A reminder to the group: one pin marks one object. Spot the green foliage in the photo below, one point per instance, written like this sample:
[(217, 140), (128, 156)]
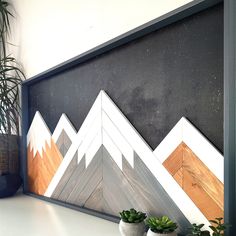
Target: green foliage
[(197, 230), (132, 216), (11, 77), (219, 227), (4, 25), (162, 225)]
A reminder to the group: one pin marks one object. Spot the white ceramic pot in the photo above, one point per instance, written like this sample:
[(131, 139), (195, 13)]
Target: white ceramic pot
[(131, 229), (150, 233)]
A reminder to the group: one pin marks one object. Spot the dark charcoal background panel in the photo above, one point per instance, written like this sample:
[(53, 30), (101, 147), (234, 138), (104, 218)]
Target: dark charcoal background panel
[(155, 80)]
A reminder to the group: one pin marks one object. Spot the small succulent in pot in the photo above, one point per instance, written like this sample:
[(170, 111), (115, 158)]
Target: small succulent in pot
[(161, 226), (132, 223), (196, 230), (132, 216), (218, 227)]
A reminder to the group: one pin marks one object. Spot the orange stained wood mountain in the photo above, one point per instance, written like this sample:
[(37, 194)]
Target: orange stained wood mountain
[(42, 169), (201, 185)]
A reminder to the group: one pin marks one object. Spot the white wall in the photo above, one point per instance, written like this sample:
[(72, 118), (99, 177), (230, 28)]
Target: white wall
[(48, 32)]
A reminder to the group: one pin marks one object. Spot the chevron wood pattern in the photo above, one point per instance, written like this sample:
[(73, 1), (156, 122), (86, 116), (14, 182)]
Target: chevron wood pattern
[(185, 132), (197, 180), (104, 187), (64, 180), (161, 203), (41, 169), (72, 181), (107, 166), (64, 134), (117, 192), (63, 143), (95, 200)]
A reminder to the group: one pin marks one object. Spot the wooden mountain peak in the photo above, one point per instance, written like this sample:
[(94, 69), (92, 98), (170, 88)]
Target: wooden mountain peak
[(200, 184)]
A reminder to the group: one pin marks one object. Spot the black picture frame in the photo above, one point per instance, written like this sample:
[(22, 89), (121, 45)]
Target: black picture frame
[(229, 115), (229, 94)]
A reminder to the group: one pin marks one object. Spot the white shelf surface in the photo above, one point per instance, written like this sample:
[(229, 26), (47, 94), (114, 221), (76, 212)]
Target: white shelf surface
[(22, 215)]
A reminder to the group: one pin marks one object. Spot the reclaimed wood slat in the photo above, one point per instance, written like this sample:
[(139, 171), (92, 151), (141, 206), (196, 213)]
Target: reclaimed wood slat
[(200, 197), (161, 201), (41, 169), (79, 180), (72, 180), (95, 200), (91, 185), (64, 180), (201, 185), (175, 161), (206, 179), (63, 143), (117, 191)]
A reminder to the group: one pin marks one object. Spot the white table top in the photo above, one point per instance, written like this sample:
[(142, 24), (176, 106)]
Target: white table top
[(22, 215)]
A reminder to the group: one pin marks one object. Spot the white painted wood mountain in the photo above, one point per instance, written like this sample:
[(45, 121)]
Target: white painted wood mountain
[(107, 166)]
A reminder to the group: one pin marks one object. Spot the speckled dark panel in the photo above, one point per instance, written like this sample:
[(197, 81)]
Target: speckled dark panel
[(173, 72)]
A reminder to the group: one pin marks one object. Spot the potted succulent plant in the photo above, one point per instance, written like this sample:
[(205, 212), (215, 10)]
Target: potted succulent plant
[(132, 223), (218, 227), (161, 226), (196, 230), (10, 79)]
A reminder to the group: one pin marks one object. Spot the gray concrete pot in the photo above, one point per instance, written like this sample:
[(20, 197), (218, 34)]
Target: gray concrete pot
[(150, 233), (131, 229)]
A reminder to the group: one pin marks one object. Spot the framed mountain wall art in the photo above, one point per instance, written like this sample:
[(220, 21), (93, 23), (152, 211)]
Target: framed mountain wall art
[(136, 122)]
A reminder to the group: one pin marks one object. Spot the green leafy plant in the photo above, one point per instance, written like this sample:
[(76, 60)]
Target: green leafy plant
[(11, 77), (5, 15), (162, 225), (219, 227), (10, 80), (132, 216), (197, 230)]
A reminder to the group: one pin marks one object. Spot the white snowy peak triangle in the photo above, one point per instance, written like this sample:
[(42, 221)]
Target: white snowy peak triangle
[(64, 124), (38, 135)]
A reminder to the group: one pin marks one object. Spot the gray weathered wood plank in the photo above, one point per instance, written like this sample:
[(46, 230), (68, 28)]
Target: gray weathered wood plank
[(91, 185), (162, 203), (73, 178), (78, 182), (95, 200), (103, 186), (117, 191), (64, 180), (63, 143)]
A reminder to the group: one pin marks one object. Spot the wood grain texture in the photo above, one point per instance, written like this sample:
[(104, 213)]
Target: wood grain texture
[(90, 184), (106, 125), (72, 180), (79, 181), (200, 197), (63, 143), (201, 185), (161, 203), (178, 176), (117, 191), (41, 169), (175, 161), (104, 187), (95, 200), (65, 178)]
